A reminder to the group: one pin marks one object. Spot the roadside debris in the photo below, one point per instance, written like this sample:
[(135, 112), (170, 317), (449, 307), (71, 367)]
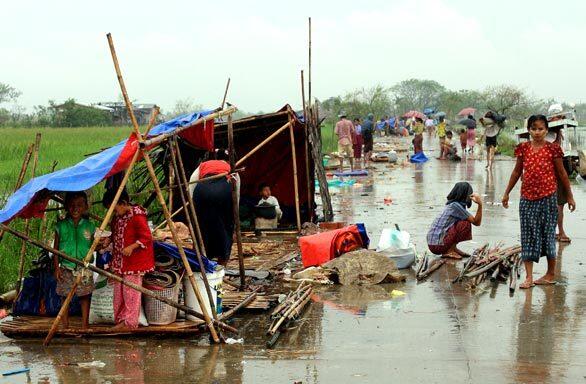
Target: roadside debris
[(496, 264), (285, 314), (427, 266)]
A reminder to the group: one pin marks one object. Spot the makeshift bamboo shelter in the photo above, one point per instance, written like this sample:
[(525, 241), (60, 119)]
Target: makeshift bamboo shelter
[(118, 162)]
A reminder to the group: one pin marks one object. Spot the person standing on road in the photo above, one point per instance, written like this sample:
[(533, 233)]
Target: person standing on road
[(471, 134), (345, 131), (441, 134), (491, 131), (367, 137), (418, 129), (454, 224), (561, 236), (357, 142), (540, 165)]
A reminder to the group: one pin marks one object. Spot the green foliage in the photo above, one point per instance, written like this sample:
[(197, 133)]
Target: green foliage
[(416, 94), (71, 114), (8, 93)]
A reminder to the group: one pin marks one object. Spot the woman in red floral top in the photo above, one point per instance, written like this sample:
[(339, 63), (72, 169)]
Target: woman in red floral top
[(539, 163), (132, 256)]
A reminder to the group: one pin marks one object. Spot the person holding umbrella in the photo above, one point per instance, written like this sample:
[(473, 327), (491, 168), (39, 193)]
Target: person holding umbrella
[(470, 124)]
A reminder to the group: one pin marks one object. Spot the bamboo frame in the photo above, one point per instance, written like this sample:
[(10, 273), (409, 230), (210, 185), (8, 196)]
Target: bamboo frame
[(192, 232), (36, 148), (307, 167), (160, 197), (114, 277), (236, 205), (184, 182), (294, 160)]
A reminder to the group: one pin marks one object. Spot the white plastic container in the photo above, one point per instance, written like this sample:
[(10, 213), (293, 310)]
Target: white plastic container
[(403, 258), (215, 280)]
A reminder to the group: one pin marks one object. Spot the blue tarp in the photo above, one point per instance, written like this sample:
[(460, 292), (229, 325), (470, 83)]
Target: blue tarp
[(173, 251), (86, 173), (418, 158)]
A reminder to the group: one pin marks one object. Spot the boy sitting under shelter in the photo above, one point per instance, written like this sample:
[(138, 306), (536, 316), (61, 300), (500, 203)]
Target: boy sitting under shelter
[(268, 211)]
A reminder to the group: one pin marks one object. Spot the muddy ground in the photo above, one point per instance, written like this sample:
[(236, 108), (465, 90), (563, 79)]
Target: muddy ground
[(436, 333)]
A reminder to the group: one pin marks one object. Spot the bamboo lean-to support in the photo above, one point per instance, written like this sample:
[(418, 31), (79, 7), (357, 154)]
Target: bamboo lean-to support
[(307, 167), (115, 277), (236, 205), (294, 160), (191, 226), (191, 205), (27, 224), (143, 145)]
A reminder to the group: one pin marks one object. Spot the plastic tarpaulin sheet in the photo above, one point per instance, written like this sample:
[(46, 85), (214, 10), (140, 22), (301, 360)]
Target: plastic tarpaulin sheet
[(173, 251), (29, 201)]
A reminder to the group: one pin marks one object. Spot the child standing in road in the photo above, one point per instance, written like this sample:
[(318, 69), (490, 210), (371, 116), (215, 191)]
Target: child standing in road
[(74, 236), (463, 140), (540, 165)]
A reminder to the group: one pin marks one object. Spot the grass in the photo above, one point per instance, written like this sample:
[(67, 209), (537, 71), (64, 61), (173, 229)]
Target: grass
[(328, 138), (67, 146)]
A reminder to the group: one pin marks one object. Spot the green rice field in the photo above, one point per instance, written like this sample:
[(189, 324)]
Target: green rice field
[(66, 146)]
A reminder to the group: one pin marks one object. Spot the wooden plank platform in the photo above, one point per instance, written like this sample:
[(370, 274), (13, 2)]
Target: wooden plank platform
[(36, 326)]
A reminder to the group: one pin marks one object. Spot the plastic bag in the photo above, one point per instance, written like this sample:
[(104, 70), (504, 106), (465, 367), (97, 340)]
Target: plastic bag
[(393, 239)]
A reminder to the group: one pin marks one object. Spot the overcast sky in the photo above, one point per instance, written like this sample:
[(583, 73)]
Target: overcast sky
[(171, 50)]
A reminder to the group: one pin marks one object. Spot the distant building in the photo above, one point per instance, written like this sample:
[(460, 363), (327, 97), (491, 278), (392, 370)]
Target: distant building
[(142, 112)]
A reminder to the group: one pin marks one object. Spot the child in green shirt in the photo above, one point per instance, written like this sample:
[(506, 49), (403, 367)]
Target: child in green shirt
[(74, 236)]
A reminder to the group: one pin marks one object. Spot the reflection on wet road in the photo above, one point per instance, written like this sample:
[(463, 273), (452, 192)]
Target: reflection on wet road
[(436, 333)]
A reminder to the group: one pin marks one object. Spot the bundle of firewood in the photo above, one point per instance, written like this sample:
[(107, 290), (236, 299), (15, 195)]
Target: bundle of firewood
[(426, 266), (288, 311), (496, 264)]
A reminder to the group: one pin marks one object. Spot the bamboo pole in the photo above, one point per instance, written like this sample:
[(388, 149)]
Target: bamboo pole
[(114, 277), (183, 181), (122, 86), (262, 144), (191, 226), (212, 116), (172, 216), (236, 205), (186, 265), (152, 121), (88, 256), (23, 169), (307, 168), (36, 147), (295, 183), (309, 59), (225, 94)]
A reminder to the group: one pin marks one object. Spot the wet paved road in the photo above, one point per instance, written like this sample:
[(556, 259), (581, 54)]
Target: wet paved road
[(437, 333)]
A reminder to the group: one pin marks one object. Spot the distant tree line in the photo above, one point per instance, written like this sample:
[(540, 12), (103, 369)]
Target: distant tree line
[(417, 94)]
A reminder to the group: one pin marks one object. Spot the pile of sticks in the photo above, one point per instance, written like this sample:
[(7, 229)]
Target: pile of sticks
[(427, 266), (496, 264), (288, 311)]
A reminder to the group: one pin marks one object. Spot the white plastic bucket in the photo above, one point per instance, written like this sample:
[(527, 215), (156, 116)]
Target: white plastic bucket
[(215, 280)]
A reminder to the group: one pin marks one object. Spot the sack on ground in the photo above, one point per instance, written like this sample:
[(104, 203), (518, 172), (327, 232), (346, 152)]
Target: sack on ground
[(102, 305)]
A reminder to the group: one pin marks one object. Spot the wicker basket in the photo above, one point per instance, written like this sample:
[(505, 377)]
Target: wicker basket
[(157, 312)]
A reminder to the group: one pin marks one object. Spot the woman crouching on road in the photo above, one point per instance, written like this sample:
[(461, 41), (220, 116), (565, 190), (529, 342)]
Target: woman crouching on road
[(454, 224)]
